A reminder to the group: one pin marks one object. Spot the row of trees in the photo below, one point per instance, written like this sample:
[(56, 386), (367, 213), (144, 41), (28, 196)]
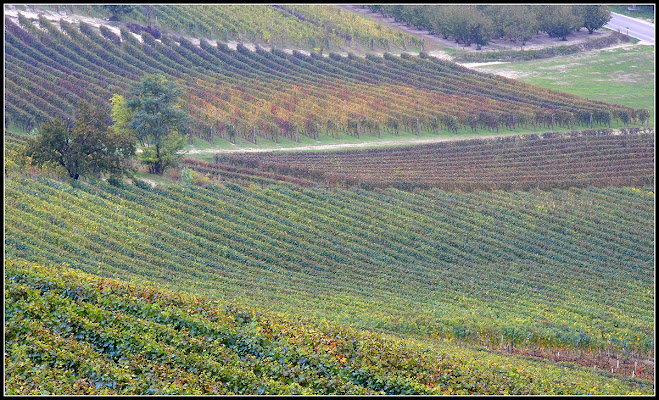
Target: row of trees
[(103, 138), (478, 24)]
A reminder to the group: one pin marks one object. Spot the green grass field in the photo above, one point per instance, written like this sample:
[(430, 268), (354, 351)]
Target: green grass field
[(619, 75)]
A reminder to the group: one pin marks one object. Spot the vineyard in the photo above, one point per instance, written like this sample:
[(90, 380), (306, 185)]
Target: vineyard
[(535, 269), (72, 333), (521, 262), (272, 95), (588, 158), (307, 26)]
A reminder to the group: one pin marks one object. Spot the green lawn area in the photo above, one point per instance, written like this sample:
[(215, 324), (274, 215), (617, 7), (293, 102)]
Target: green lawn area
[(623, 75)]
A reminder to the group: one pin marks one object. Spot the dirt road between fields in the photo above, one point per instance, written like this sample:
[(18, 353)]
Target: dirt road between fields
[(343, 146), (346, 146)]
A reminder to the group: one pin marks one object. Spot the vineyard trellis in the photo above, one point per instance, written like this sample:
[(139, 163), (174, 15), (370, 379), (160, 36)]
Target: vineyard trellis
[(270, 94)]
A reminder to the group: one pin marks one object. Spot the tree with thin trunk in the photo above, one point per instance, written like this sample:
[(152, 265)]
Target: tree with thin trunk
[(159, 122)]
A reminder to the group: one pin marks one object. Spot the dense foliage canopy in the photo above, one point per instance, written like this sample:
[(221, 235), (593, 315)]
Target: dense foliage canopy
[(88, 147), (478, 24)]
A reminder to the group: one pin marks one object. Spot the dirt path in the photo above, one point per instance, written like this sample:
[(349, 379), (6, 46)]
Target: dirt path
[(343, 146)]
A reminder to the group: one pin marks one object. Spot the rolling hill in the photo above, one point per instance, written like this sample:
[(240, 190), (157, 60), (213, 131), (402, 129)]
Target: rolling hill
[(511, 265)]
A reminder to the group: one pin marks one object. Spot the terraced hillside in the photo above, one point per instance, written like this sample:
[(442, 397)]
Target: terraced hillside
[(273, 95), (550, 160)]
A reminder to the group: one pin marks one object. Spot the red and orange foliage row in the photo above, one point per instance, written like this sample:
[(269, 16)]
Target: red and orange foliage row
[(591, 158), (272, 94)]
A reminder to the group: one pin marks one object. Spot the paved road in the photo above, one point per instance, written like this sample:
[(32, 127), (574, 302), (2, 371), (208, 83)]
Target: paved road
[(637, 28)]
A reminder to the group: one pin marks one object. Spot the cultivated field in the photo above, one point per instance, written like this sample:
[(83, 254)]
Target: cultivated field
[(551, 160), (431, 263), (164, 342), (513, 253), (268, 95)]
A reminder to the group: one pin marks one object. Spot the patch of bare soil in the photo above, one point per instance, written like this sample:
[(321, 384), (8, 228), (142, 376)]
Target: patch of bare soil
[(505, 73), (618, 364)]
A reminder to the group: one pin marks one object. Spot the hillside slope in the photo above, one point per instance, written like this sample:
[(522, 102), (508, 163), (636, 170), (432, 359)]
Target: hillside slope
[(272, 95), (546, 161), (71, 333), (539, 268)]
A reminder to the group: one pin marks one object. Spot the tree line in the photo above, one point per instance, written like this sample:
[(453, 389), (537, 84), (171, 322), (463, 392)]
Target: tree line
[(478, 24), (104, 136)]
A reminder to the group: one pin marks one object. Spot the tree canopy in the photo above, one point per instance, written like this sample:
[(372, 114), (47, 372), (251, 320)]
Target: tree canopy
[(89, 147), (117, 9), (158, 121), (593, 16)]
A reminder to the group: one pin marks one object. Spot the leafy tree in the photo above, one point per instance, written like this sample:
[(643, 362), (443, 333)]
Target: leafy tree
[(88, 147), (121, 116), (497, 15), (480, 29), (458, 22), (593, 16), (440, 20), (158, 121), (519, 23), (558, 20)]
